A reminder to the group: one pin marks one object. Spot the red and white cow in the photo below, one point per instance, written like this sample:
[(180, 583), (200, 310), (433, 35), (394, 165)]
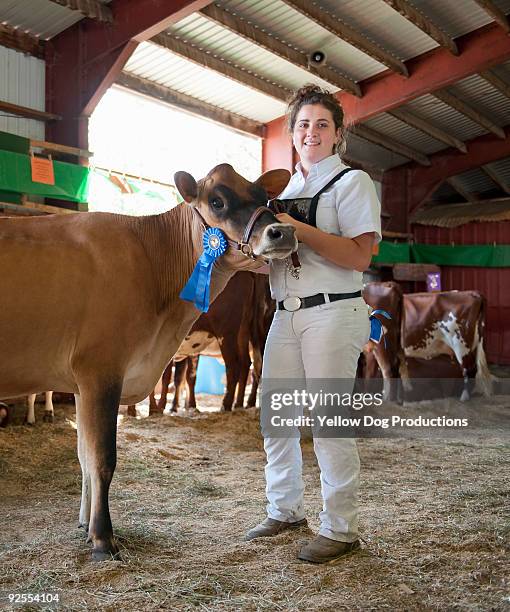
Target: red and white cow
[(447, 323)]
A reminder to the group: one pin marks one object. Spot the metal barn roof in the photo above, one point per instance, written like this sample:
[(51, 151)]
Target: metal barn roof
[(244, 57)]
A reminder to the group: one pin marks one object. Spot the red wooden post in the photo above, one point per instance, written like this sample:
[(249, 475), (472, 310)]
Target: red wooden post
[(84, 61)]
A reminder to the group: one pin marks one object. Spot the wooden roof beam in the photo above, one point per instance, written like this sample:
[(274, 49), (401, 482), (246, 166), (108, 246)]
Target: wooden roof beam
[(457, 185), (497, 14), (190, 104), (461, 107), (347, 33), (424, 24), (20, 41), (221, 66), (273, 45), (496, 81), (481, 50), (367, 133), (29, 113), (496, 179), (481, 150), (375, 173), (88, 8), (427, 128)]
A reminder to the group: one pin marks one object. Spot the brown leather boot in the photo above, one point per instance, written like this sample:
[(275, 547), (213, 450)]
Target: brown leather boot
[(325, 550), (271, 527)]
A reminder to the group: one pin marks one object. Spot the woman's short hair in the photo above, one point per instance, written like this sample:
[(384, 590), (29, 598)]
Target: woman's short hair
[(313, 94)]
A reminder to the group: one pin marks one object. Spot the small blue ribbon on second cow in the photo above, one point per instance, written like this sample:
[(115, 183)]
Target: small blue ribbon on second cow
[(376, 327), (198, 286)]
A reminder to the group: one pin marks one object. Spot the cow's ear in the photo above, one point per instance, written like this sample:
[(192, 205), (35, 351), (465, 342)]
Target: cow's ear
[(274, 182), (186, 185)]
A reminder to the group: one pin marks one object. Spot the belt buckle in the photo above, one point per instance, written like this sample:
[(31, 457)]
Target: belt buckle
[(292, 304)]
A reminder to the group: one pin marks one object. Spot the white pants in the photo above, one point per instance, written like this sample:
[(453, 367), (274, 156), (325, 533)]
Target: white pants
[(320, 342)]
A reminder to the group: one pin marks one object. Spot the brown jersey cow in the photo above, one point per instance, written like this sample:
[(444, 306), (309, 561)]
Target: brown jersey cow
[(104, 316)]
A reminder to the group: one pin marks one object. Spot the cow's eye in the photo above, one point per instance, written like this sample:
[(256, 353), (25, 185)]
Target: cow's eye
[(217, 203)]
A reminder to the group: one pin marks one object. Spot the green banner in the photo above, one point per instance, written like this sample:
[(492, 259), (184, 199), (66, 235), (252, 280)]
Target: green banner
[(476, 255), (16, 144), (393, 252), (71, 181), (470, 255)]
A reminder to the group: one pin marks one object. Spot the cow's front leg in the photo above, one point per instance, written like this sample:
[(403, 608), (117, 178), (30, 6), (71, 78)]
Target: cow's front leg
[(30, 415), (232, 369), (48, 407), (468, 365), (165, 383), (84, 518), (191, 379), (255, 377), (181, 367), (244, 370), (385, 367), (97, 422), (4, 414)]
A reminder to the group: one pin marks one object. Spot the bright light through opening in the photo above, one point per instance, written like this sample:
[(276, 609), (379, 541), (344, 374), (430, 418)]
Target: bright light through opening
[(138, 136)]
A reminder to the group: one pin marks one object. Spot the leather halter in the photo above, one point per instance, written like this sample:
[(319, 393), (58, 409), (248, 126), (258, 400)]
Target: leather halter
[(244, 244)]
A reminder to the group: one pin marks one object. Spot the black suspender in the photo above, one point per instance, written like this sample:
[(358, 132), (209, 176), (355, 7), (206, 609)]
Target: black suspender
[(312, 214)]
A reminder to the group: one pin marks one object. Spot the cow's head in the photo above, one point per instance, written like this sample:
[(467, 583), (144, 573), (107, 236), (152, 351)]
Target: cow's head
[(226, 200)]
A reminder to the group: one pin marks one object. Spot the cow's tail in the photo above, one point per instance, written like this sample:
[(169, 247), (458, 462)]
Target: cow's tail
[(483, 377)]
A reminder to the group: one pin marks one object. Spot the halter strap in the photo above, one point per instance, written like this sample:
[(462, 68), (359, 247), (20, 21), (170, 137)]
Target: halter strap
[(243, 245)]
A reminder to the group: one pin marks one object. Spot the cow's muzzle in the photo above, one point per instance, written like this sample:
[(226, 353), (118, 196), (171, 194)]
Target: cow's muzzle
[(278, 241)]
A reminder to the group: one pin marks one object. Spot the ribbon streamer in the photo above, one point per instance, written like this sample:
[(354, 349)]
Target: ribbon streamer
[(197, 288), (376, 327)]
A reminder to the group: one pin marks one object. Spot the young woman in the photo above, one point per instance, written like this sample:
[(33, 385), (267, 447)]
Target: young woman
[(321, 322)]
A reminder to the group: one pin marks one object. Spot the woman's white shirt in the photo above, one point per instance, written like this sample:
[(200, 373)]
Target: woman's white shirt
[(349, 208)]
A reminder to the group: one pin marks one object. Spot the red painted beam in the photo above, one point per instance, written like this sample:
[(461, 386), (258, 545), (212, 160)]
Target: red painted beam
[(482, 150), (407, 187), (84, 61), (479, 50), (277, 149), (394, 199)]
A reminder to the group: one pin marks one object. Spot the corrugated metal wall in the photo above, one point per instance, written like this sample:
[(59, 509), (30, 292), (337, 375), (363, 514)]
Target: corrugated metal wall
[(22, 82), (493, 283)]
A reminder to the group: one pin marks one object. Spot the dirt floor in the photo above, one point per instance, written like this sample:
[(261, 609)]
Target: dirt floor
[(434, 521)]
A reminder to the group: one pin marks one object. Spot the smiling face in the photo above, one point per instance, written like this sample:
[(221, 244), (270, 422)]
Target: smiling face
[(314, 134)]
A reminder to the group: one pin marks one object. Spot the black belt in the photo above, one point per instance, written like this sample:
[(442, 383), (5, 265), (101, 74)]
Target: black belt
[(294, 303)]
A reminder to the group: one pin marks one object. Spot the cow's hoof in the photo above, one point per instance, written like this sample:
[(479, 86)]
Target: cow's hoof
[(84, 526), (155, 413), (100, 555), (4, 416), (28, 424), (48, 417), (105, 550)]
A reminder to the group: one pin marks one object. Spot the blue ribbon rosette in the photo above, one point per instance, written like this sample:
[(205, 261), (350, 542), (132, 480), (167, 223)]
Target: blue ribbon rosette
[(376, 327), (198, 285)]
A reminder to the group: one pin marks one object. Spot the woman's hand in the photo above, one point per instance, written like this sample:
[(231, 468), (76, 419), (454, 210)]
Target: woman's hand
[(353, 253), (285, 218)]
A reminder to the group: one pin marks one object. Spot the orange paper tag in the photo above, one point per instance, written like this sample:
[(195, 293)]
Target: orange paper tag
[(42, 170), (375, 249)]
